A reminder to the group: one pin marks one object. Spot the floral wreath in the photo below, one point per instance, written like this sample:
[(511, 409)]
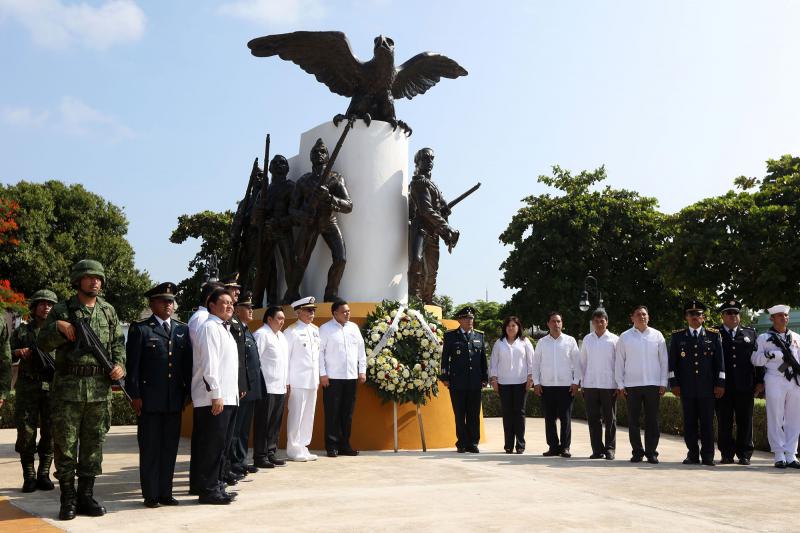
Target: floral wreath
[(404, 352)]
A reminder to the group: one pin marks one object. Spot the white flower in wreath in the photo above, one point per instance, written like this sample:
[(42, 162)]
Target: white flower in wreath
[(381, 374), (393, 313), (410, 386), (390, 342), (424, 343), (406, 373), (390, 386), (393, 361), (387, 366), (418, 383), (414, 323), (382, 327), (381, 359), (424, 375), (371, 361), (375, 337), (417, 367), (419, 333), (386, 351)]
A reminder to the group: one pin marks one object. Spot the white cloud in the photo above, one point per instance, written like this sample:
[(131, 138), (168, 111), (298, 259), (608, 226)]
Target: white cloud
[(23, 116), (274, 12), (57, 24), (72, 116)]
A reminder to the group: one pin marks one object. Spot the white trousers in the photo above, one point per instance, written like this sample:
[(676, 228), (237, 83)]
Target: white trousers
[(783, 416), (300, 425)]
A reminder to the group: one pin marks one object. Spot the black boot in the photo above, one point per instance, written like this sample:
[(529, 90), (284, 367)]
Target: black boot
[(68, 499), (43, 481), (87, 505), (28, 474)]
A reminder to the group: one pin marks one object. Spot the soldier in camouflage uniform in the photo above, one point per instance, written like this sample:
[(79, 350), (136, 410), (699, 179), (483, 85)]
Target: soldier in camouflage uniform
[(81, 393), (5, 360), (33, 396)]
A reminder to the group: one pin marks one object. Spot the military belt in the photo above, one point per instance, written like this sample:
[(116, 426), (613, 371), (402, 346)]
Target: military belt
[(84, 370)]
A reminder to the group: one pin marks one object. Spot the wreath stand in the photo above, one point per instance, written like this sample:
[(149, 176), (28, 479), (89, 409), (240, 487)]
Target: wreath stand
[(419, 421)]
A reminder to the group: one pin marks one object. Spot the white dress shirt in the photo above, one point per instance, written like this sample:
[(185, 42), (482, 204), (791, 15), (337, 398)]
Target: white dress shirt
[(556, 362), (341, 354), (303, 340), (195, 321), (642, 359), (273, 353), (597, 361), (161, 322), (511, 363), (215, 368)]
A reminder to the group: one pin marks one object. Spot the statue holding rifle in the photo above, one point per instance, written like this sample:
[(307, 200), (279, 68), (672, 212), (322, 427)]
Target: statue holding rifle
[(428, 214)]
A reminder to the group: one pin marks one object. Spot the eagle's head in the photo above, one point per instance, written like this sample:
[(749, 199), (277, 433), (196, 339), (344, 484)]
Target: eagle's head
[(384, 46)]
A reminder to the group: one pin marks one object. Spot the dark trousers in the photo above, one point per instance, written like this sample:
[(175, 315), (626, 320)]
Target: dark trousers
[(241, 433), (267, 425), (601, 409), (467, 410), (557, 404), (648, 396), (512, 404), (735, 405), (698, 412), (214, 435), (339, 398), (159, 435)]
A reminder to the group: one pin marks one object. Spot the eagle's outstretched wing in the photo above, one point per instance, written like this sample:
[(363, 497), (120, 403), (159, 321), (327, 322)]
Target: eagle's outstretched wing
[(325, 54), (422, 72)]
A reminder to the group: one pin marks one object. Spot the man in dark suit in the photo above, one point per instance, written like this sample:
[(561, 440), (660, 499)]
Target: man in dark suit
[(159, 373), (744, 382), (697, 377), (465, 372), (243, 311)]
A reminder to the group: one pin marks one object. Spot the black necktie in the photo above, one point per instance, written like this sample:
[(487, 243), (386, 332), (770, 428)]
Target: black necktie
[(694, 334), (227, 325), (166, 327)]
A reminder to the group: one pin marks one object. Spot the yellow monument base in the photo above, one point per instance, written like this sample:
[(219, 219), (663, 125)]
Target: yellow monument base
[(373, 427)]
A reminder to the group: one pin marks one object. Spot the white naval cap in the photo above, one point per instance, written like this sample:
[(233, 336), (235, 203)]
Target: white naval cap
[(779, 309), (304, 303)]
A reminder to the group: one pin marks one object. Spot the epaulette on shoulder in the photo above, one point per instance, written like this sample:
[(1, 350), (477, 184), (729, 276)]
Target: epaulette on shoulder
[(678, 330), (478, 331), (712, 330), (178, 321), (138, 322)]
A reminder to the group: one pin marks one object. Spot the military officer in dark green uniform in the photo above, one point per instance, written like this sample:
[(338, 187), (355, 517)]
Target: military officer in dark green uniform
[(159, 380), (465, 372), (81, 392), (33, 396), (697, 377)]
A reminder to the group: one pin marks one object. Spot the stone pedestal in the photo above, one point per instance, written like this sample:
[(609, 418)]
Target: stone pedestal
[(374, 163)]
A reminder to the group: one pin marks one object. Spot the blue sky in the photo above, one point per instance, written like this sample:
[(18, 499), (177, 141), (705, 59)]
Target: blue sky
[(159, 107)]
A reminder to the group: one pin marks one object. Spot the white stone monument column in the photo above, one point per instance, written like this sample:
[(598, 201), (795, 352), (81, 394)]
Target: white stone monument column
[(374, 163)]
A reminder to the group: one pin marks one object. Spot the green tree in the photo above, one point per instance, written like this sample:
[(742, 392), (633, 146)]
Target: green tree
[(613, 234), (212, 229), (743, 244), (446, 303), (61, 224)]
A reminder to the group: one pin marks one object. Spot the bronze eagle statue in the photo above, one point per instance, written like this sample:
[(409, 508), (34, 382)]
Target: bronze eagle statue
[(373, 85)]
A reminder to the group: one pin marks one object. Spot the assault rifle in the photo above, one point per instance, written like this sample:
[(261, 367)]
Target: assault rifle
[(48, 364), (88, 339)]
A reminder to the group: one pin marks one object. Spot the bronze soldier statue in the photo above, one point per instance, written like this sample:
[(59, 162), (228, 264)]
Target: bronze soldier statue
[(271, 218), (315, 201), (427, 213), (244, 238)]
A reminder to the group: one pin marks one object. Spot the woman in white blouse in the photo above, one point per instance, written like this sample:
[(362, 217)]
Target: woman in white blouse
[(511, 376)]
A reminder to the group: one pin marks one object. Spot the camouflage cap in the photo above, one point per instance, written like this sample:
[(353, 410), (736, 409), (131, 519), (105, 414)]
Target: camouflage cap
[(87, 267), (43, 295)]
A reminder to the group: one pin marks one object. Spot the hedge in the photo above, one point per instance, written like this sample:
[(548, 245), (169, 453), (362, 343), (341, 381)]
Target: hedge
[(671, 414)]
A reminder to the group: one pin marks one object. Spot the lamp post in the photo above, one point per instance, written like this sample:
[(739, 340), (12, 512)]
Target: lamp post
[(590, 285)]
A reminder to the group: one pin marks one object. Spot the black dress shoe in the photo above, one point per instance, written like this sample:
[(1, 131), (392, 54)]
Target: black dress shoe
[(793, 464), (565, 454), (780, 464), (744, 461), (333, 453), (726, 461), (551, 453), (251, 469), (349, 452), (460, 450), (509, 450), (520, 451), (473, 449), (609, 456), (263, 463), (636, 458), (230, 479), (168, 500), (151, 503), (691, 461), (652, 459), (214, 499), (274, 461), (709, 462), (597, 456)]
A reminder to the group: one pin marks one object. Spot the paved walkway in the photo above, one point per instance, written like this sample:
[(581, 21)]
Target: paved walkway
[(439, 491)]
